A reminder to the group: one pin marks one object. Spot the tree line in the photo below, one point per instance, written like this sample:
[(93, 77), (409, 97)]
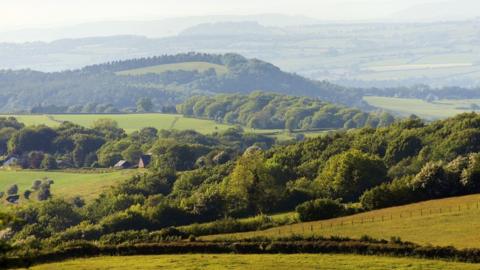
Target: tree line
[(273, 111)]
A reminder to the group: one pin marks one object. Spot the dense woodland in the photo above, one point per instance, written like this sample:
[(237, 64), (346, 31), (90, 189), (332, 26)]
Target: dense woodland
[(274, 111), (196, 178), (69, 91)]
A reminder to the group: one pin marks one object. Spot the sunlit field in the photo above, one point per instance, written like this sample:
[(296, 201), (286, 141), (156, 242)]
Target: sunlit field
[(264, 262)]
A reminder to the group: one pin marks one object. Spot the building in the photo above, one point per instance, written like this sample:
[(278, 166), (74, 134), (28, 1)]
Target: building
[(122, 164), (144, 161), (11, 161)]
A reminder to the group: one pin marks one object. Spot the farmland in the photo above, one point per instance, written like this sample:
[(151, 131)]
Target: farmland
[(66, 184), (443, 222), (296, 261), (186, 66), (133, 122), (428, 110), (129, 122)]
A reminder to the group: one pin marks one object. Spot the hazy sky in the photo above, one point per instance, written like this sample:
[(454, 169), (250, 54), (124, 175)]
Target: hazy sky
[(15, 14)]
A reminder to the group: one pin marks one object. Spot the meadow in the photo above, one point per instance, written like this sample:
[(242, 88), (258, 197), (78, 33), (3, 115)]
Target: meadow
[(133, 122), (129, 122), (185, 66), (86, 184), (444, 222), (277, 261), (427, 110)]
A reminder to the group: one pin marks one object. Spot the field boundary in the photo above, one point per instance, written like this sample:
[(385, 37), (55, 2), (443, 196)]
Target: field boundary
[(294, 245), (315, 228)]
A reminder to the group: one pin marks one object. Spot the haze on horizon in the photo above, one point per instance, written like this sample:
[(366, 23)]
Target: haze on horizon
[(21, 14)]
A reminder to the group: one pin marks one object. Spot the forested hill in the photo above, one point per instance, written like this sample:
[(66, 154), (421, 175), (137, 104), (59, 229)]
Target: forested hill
[(165, 80), (274, 111)]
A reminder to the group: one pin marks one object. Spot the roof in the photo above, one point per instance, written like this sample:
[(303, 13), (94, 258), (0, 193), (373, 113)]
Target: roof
[(122, 163), (10, 161), (146, 158)]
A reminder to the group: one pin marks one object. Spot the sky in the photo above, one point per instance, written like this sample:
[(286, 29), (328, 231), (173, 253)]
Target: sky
[(18, 14)]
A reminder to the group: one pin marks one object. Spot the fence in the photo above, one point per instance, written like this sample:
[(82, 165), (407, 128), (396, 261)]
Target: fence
[(359, 219)]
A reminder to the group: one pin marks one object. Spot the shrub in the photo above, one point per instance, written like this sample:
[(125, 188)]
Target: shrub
[(320, 209)]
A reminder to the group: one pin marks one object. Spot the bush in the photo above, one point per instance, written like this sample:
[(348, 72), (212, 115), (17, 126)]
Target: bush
[(320, 209)]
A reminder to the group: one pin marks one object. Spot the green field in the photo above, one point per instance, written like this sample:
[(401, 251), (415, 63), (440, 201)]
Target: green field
[(133, 122), (264, 262), (186, 66), (428, 110), (451, 221), (129, 122), (66, 184)]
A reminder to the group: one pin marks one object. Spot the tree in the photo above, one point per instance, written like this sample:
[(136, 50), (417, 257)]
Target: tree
[(251, 185), (132, 153), (12, 190), (320, 209), (49, 162), (32, 139), (144, 105), (434, 182), (36, 185), (349, 174), (27, 194), (35, 159), (109, 128), (44, 193), (402, 147)]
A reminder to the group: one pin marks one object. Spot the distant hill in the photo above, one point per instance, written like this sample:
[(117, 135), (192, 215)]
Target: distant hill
[(149, 28), (356, 55), (231, 29), (121, 84)]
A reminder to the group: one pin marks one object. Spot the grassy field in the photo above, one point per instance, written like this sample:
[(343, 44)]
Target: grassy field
[(438, 109), (186, 66), (133, 122), (451, 221), (265, 262), (129, 122), (66, 184)]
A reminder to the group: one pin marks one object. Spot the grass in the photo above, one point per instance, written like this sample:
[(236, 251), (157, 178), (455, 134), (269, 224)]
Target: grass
[(133, 122), (438, 109), (186, 66), (277, 262), (452, 221), (129, 122), (66, 184)]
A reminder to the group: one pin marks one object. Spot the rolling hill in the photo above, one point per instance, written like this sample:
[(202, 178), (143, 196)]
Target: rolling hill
[(166, 80), (451, 221)]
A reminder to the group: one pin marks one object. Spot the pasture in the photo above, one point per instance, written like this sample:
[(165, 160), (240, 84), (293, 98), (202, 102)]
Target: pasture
[(185, 66), (264, 262), (428, 110), (129, 122), (452, 221), (133, 122), (85, 184)]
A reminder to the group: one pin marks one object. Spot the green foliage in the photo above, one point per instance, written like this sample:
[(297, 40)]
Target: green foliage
[(274, 111), (144, 105), (320, 209), (251, 185), (349, 174)]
